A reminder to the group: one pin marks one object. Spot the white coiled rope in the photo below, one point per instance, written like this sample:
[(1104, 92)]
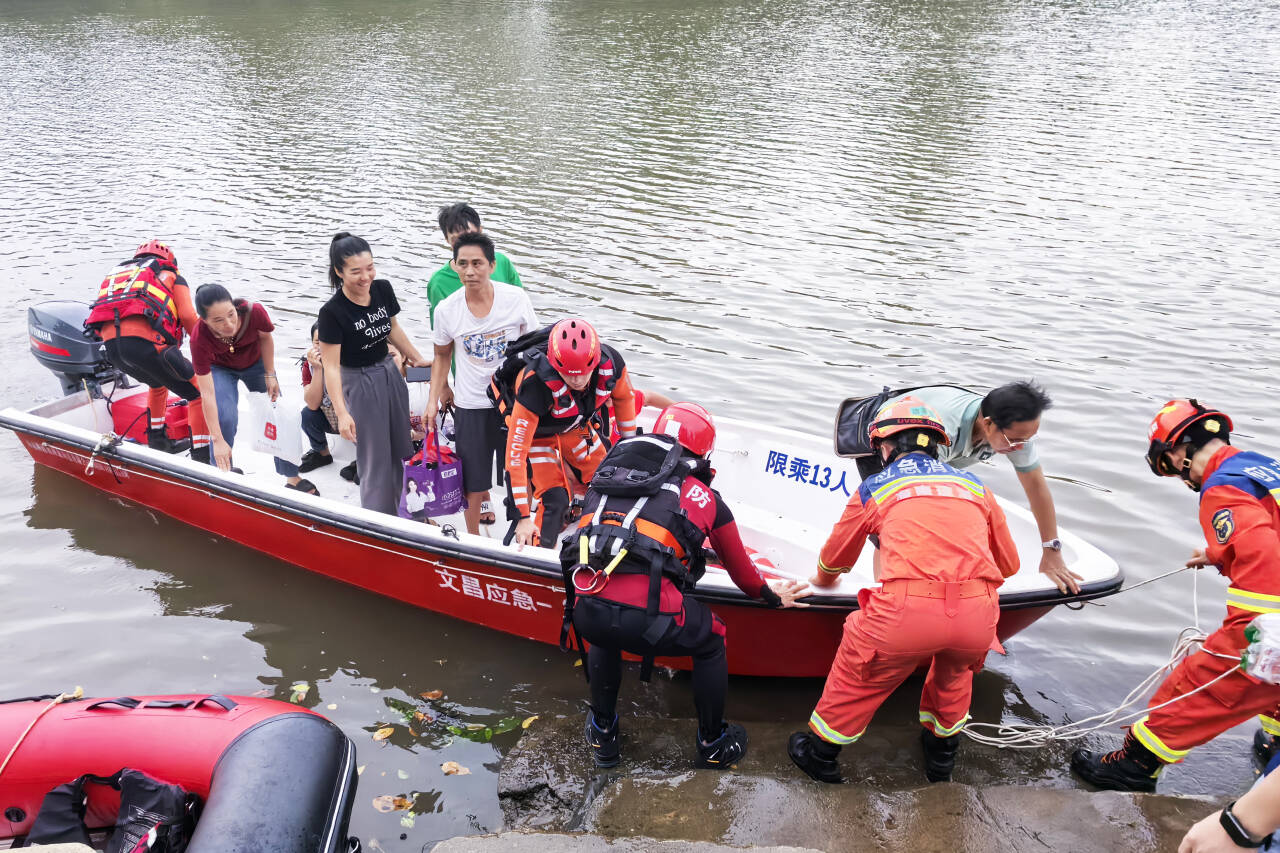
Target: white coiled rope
[(1031, 736)]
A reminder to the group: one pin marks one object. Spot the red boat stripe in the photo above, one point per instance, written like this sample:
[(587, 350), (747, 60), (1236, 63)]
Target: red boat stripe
[(43, 347)]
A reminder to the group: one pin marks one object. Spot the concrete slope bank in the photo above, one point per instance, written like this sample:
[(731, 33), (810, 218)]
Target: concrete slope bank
[(548, 783)]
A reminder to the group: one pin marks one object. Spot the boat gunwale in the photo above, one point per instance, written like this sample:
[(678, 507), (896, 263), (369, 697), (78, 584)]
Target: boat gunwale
[(35, 424)]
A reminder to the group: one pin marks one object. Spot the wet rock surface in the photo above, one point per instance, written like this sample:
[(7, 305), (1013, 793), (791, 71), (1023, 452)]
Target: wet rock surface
[(1001, 800)]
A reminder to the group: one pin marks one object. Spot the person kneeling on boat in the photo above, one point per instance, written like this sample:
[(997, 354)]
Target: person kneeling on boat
[(143, 308), (636, 556), (1004, 422), (945, 550), (549, 389), (1240, 518), (231, 344)]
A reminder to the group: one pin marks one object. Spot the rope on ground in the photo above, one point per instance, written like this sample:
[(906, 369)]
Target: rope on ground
[(78, 693), (1031, 736)]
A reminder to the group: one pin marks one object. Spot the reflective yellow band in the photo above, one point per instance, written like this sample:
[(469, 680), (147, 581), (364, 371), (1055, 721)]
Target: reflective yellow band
[(1270, 725), (1148, 739), (930, 721), (1254, 602), (823, 567), (906, 482), (829, 734)]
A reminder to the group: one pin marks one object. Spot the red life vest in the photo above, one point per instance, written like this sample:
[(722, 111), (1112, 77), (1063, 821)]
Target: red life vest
[(137, 289)]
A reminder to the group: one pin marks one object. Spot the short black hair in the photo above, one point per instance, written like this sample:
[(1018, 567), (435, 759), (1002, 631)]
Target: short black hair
[(457, 217), (1018, 401), (476, 238), (344, 245), (315, 327), (209, 295)]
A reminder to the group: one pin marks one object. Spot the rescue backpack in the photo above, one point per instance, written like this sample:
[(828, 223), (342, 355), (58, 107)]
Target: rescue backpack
[(632, 523), (519, 354), (153, 816), (137, 288)]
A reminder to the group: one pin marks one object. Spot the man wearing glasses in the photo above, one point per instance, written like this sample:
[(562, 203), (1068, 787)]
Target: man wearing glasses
[(1003, 422)]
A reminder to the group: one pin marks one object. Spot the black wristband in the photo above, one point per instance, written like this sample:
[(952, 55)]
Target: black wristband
[(1239, 836), (769, 597)]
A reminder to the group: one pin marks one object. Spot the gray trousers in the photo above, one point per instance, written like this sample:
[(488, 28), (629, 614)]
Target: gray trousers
[(378, 401)]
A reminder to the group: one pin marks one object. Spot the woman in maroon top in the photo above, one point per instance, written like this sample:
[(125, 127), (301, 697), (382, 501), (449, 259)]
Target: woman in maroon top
[(232, 344)]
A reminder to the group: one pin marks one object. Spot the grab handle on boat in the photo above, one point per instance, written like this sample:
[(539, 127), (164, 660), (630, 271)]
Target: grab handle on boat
[(221, 701), (123, 701)]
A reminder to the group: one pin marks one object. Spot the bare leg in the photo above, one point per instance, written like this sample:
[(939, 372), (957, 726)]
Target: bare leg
[(472, 512)]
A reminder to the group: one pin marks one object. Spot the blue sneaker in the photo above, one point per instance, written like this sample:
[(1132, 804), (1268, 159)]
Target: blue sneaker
[(728, 749), (603, 742)]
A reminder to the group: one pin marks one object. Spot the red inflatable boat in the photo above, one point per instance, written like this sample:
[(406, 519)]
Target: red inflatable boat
[(270, 776)]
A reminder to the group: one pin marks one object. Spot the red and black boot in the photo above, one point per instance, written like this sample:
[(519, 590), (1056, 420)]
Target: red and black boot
[(1132, 767)]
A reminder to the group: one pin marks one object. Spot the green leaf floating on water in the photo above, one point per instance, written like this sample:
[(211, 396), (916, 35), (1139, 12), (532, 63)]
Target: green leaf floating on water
[(404, 709)]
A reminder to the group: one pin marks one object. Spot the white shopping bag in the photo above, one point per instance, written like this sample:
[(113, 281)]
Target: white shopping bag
[(277, 427)]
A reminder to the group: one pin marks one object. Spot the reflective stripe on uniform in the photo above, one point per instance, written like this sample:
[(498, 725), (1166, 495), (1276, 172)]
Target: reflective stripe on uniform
[(929, 720), (822, 730), (900, 483), (1148, 739), (1254, 602), (823, 567), (1270, 725)]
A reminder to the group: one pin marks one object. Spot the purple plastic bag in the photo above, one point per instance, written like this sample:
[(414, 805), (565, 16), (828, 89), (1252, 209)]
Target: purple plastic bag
[(432, 482)]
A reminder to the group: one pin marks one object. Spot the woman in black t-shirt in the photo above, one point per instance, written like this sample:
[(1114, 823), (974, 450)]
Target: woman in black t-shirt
[(368, 393)]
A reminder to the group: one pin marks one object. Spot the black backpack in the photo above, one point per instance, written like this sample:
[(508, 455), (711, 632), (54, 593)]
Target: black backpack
[(153, 816), (502, 388)]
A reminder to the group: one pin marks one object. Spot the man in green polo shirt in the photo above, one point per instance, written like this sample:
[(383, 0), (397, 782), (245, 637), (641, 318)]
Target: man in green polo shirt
[(1004, 423), (456, 220)]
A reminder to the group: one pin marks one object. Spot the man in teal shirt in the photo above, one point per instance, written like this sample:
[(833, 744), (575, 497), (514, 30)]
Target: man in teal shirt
[(1004, 422), (456, 220)]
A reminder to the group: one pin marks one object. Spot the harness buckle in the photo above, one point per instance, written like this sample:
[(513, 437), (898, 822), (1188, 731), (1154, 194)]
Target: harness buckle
[(591, 586)]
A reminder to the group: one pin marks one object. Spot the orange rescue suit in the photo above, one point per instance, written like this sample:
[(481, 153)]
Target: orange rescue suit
[(1240, 517), (945, 549)]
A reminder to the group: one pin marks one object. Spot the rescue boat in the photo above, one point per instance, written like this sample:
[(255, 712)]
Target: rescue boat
[(269, 775), (786, 490)]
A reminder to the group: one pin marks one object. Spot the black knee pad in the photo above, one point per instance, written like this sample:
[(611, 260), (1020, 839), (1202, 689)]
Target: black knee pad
[(176, 363), (555, 509)]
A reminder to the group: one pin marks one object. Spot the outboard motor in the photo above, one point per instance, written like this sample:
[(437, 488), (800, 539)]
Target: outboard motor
[(60, 343)]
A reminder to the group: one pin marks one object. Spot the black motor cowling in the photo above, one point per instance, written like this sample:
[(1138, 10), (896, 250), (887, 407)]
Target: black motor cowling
[(60, 343)]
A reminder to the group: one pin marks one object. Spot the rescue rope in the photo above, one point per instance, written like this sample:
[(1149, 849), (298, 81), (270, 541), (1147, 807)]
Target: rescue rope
[(78, 693), (1032, 736)]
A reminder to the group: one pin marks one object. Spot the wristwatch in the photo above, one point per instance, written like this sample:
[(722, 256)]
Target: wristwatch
[(1052, 544), (1239, 836)]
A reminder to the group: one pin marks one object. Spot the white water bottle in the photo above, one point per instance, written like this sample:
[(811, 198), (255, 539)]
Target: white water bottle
[(1261, 659)]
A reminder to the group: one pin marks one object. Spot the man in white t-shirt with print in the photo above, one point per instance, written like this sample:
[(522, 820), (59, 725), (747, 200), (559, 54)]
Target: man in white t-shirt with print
[(476, 323)]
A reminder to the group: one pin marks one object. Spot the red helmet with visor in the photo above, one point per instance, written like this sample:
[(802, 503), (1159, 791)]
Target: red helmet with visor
[(1181, 422)]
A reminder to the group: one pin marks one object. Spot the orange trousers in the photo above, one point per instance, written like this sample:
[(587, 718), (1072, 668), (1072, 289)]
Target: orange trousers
[(899, 628), (566, 461), (1172, 731)]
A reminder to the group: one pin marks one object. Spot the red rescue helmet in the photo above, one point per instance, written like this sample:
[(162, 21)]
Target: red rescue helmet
[(908, 413), (160, 250), (574, 347), (689, 424), (1182, 422)]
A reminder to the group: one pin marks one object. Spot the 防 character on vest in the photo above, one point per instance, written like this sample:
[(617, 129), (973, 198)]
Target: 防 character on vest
[(633, 563), (945, 549), (143, 308), (1240, 518)]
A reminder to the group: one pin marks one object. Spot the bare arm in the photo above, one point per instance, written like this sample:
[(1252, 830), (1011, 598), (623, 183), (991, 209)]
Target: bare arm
[(439, 382), (268, 345), (330, 354), (401, 341), (313, 393), (1258, 812), (1040, 500)]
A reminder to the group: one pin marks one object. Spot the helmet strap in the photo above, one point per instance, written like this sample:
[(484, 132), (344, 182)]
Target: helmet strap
[(1185, 471)]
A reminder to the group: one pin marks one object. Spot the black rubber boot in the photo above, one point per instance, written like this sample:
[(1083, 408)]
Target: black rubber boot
[(727, 749), (816, 757), (603, 742), (1264, 747), (939, 755), (158, 439), (1132, 767), (201, 455)]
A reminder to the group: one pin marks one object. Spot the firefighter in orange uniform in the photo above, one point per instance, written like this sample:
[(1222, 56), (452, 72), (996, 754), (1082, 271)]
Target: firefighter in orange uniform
[(945, 549), (1240, 517), (143, 308), (552, 447)]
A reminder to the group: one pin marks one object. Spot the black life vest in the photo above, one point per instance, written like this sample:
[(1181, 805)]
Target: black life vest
[(153, 816), (525, 360), (138, 288), (633, 523)]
